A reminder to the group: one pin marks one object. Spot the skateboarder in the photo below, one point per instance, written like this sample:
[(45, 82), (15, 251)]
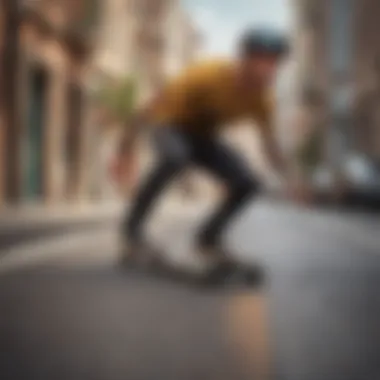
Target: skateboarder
[(186, 117)]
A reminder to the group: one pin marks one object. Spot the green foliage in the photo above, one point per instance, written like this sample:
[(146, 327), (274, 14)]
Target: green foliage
[(119, 99)]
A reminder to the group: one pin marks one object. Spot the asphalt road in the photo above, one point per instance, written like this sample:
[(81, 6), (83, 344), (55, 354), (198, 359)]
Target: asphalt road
[(71, 314)]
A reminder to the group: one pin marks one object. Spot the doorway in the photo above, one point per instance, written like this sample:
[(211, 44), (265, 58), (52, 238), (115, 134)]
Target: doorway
[(34, 137)]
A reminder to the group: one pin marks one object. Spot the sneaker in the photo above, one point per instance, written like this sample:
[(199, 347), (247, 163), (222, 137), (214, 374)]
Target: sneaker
[(138, 253), (206, 259), (221, 268), (128, 252)]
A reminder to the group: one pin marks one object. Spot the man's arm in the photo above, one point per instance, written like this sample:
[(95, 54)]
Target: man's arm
[(286, 179), (273, 151), (280, 176), (270, 144), (131, 133), (124, 163), (136, 124)]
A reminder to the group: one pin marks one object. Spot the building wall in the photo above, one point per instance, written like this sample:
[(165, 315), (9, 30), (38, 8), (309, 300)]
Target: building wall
[(367, 77), (2, 124), (53, 53), (314, 76), (114, 47), (150, 44), (142, 39), (50, 56), (182, 40), (9, 111), (366, 44)]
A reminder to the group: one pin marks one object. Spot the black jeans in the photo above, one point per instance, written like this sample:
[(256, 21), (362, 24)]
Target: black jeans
[(177, 151)]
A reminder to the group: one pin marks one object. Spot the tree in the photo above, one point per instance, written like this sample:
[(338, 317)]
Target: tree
[(118, 100)]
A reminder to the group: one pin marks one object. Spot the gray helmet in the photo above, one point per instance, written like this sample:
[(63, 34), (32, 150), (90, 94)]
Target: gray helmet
[(263, 41)]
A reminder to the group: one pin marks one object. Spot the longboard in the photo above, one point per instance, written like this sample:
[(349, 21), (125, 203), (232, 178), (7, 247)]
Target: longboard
[(229, 276)]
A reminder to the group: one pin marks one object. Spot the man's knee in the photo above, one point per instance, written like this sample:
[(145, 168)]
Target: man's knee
[(175, 162), (245, 187), (173, 152)]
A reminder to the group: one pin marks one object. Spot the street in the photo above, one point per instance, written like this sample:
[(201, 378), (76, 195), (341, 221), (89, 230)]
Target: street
[(69, 313)]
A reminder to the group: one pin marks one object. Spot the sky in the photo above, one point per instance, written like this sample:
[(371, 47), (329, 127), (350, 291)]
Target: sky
[(221, 21)]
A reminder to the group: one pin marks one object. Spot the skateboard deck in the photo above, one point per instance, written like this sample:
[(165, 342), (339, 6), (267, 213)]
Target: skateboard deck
[(229, 276)]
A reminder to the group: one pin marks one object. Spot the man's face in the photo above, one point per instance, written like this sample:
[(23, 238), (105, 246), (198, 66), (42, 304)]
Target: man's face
[(262, 69)]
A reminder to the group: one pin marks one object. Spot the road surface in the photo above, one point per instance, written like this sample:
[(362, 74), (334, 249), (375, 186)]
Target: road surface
[(69, 313)]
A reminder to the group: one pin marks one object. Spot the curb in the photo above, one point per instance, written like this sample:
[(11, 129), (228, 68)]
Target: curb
[(18, 231)]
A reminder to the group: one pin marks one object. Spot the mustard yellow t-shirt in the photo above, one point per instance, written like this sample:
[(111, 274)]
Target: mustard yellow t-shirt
[(206, 97)]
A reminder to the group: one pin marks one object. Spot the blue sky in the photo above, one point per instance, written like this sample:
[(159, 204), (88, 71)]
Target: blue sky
[(221, 21)]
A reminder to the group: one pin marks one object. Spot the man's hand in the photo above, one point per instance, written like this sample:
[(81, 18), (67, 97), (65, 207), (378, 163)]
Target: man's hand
[(273, 152), (124, 171), (284, 184), (300, 192)]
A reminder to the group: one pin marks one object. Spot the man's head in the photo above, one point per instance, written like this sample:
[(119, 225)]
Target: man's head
[(261, 51)]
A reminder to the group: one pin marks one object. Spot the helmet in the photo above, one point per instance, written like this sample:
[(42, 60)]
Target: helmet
[(263, 41)]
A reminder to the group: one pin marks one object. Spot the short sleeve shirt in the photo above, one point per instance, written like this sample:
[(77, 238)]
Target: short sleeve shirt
[(206, 97)]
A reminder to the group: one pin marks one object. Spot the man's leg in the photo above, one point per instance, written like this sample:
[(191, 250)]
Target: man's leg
[(174, 154), (224, 163)]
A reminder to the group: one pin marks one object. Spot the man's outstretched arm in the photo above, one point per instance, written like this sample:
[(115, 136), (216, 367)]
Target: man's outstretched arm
[(135, 125), (274, 153), (293, 187)]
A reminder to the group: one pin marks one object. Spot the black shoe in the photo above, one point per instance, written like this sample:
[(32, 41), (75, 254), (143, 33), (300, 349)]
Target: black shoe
[(228, 271), (139, 254), (128, 253)]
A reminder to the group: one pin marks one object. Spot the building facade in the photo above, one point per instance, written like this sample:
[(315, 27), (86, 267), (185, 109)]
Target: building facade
[(316, 78), (138, 40), (47, 135), (56, 145), (183, 40)]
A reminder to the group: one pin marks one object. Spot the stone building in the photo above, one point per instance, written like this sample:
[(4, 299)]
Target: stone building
[(57, 146), (47, 161), (315, 77), (183, 40)]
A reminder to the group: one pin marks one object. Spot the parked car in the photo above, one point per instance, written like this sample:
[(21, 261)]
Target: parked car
[(361, 183)]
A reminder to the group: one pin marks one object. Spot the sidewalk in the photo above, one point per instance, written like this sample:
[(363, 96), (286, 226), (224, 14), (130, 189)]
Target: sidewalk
[(29, 222), (33, 215)]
